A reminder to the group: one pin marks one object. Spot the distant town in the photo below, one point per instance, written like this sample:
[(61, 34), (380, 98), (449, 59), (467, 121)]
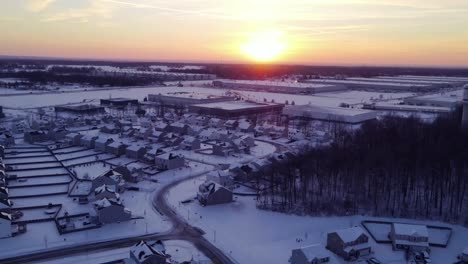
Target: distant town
[(108, 162)]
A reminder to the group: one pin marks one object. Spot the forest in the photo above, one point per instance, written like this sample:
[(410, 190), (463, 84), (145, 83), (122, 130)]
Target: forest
[(395, 166)]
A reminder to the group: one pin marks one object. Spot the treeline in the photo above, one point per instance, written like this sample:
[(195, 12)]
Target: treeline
[(399, 167), (44, 77)]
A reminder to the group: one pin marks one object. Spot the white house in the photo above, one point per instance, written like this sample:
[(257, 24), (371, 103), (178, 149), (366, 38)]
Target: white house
[(190, 143), (144, 253), (105, 191), (409, 236), (211, 193), (315, 254), (100, 144), (111, 211), (169, 161), (350, 243), (109, 178)]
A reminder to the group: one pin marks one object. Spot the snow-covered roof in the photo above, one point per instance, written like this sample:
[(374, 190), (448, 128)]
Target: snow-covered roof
[(103, 203), (115, 144), (104, 188), (112, 174), (314, 251), (350, 234), (135, 147), (4, 190), (168, 156), (142, 250), (410, 230)]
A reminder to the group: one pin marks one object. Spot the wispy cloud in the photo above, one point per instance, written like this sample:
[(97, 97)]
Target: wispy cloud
[(82, 15), (38, 5)]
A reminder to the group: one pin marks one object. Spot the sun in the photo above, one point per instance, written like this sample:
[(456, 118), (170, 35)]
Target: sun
[(264, 46)]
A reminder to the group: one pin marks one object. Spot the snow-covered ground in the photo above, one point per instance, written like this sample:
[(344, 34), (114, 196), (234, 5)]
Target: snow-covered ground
[(250, 235)]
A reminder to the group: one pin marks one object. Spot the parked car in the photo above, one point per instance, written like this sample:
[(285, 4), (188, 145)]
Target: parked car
[(373, 261)]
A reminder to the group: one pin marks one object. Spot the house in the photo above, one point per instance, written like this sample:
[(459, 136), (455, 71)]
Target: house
[(156, 136), (111, 211), (215, 122), (2, 151), (3, 193), (6, 139), (245, 126), (116, 148), (223, 149), (5, 205), (73, 139), (109, 129), (144, 253), (169, 161), (408, 236), (240, 146), (161, 126), (105, 191), (231, 124), (57, 134), (88, 141), (32, 137), (179, 128), (3, 180), (135, 152), (151, 154), (222, 135), (201, 121), (5, 225), (126, 174), (221, 177), (190, 143), (207, 134), (315, 254), (211, 193), (144, 133), (100, 144), (109, 178), (248, 141), (350, 243)]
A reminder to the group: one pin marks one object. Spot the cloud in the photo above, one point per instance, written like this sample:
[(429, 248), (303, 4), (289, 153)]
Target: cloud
[(82, 15), (38, 5)]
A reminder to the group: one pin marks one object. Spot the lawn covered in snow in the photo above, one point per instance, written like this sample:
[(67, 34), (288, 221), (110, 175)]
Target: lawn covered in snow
[(256, 236)]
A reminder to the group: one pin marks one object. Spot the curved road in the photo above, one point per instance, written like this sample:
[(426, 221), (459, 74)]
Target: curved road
[(180, 230)]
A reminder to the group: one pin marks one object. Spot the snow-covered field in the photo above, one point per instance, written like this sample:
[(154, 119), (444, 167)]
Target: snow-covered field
[(36, 165), (40, 172), (92, 169), (40, 190), (40, 180), (325, 99), (256, 236), (17, 159)]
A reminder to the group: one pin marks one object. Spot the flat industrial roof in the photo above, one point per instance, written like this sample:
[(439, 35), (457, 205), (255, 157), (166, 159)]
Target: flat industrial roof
[(334, 81), (234, 105), (278, 83), (193, 95), (399, 80)]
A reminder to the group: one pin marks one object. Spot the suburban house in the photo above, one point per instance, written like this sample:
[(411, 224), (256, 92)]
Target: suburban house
[(6, 139), (161, 126), (231, 124), (156, 136), (57, 133), (88, 141), (109, 129), (5, 225), (135, 152), (144, 133), (111, 211), (190, 143), (350, 243), (408, 236), (315, 254), (116, 148), (179, 128), (223, 149), (207, 134), (169, 161), (240, 146), (245, 127), (151, 154), (211, 193), (201, 121), (144, 253), (73, 139), (110, 178), (105, 191), (215, 122), (35, 136), (222, 177), (3, 193), (101, 143), (127, 175)]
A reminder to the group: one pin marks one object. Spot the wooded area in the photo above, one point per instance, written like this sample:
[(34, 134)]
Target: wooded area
[(399, 167)]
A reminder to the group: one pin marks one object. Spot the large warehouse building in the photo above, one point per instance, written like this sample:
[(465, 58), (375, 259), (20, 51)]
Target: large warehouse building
[(433, 83), (329, 114), (185, 99), (279, 87), (376, 85), (236, 109)]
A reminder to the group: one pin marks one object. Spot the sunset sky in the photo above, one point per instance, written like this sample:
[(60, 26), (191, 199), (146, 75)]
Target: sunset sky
[(346, 32)]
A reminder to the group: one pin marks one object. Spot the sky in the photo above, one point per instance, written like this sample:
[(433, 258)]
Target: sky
[(318, 32)]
